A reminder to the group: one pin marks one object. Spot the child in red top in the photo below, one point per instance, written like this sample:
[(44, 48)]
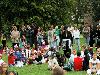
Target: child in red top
[(78, 62), (11, 59)]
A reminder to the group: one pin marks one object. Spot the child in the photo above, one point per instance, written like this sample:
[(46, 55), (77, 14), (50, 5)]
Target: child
[(11, 60), (52, 62), (12, 73), (19, 63), (94, 65), (27, 51), (78, 62), (4, 69), (82, 52), (30, 59), (86, 60)]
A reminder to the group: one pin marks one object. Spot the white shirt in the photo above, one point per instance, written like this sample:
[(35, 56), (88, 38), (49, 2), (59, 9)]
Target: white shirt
[(94, 62), (51, 35), (1, 61), (52, 62), (76, 34), (82, 54), (28, 53)]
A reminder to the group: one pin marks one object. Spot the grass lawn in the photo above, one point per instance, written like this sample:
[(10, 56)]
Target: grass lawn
[(38, 69)]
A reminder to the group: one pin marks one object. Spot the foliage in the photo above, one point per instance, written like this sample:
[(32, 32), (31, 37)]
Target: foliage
[(46, 12)]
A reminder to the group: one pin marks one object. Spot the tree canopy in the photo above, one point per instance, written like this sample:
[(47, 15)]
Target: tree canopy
[(46, 12)]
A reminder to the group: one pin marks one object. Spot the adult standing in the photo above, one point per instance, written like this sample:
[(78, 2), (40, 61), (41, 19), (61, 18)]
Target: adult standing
[(29, 35), (71, 29), (76, 34), (15, 36), (92, 36), (62, 31), (23, 31), (86, 33), (23, 36), (56, 33), (98, 36), (39, 37), (51, 37)]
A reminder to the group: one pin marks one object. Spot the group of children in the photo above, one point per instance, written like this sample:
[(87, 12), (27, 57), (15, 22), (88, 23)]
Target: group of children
[(86, 59)]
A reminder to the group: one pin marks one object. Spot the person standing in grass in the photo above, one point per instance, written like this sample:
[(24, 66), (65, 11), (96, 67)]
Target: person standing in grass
[(76, 34), (39, 37), (51, 36), (62, 32), (86, 33), (15, 36), (57, 39)]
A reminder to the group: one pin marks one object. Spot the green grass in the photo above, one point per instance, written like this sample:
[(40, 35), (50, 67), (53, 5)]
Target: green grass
[(39, 69)]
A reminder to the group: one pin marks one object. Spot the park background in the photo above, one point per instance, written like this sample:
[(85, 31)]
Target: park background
[(44, 13)]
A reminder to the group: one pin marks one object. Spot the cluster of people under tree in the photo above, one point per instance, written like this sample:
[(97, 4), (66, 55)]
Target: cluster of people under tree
[(32, 45)]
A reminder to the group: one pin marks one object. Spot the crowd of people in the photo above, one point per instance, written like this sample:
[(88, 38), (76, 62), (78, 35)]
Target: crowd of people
[(33, 45)]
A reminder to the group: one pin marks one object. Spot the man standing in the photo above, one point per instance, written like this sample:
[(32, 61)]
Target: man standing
[(29, 35)]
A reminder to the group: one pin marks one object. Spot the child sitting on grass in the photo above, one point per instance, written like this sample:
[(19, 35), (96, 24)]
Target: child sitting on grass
[(11, 59), (94, 65), (52, 62), (78, 62)]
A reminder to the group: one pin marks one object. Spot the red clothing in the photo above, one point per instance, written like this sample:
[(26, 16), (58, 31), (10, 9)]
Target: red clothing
[(11, 60), (78, 63), (1, 51)]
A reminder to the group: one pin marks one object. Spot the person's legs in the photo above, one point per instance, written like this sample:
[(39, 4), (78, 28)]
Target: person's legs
[(87, 40), (77, 42), (58, 40)]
